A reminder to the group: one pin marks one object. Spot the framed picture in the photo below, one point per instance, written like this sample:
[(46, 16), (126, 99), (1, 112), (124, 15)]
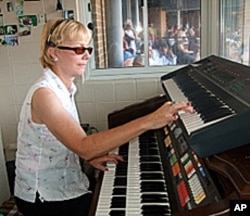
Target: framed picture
[(10, 29), (24, 31), (1, 19), (27, 20), (42, 19), (68, 14), (11, 40), (2, 30)]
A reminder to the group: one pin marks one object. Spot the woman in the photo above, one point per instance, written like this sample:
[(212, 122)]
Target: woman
[(49, 180)]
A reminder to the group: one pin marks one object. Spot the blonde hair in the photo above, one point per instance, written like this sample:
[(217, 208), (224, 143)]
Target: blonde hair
[(55, 32)]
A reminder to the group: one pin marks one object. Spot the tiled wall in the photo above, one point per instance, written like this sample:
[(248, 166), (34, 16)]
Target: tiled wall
[(96, 99), (19, 68)]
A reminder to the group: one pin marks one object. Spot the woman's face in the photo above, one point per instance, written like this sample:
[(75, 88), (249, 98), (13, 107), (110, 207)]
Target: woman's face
[(72, 62)]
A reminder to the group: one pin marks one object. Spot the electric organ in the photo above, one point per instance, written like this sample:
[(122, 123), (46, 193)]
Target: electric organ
[(193, 166)]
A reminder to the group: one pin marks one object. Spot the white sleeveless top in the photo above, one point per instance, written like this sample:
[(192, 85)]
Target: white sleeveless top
[(44, 164)]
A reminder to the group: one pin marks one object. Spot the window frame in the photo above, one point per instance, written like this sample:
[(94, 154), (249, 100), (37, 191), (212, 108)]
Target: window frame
[(209, 43)]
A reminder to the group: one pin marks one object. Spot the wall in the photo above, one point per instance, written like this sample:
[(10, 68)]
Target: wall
[(19, 64), (20, 68)]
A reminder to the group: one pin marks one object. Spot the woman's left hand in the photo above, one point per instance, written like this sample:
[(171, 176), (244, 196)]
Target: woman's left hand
[(100, 162)]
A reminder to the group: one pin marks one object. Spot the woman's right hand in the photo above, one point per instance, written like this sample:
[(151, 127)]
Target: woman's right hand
[(168, 113)]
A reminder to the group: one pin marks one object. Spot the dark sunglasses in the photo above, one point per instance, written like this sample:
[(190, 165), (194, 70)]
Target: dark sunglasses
[(77, 50)]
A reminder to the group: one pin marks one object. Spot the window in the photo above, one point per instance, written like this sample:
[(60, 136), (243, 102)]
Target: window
[(169, 32), (220, 28), (142, 36), (234, 37)]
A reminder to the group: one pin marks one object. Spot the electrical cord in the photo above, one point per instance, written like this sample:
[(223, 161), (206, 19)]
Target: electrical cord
[(220, 213)]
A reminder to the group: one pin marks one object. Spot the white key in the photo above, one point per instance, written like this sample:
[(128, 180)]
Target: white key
[(192, 122)]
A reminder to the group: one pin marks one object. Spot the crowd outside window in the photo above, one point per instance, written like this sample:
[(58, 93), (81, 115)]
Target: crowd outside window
[(140, 59), (130, 36), (128, 56), (185, 43), (171, 36), (163, 54), (193, 41), (152, 33), (180, 46), (184, 55)]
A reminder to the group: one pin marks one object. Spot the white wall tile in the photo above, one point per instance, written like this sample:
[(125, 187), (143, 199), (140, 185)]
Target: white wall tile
[(26, 73), (25, 53), (104, 91), (7, 95), (20, 93), (146, 88), (6, 76), (103, 109), (86, 91), (125, 90), (87, 112), (8, 115), (9, 133), (4, 55)]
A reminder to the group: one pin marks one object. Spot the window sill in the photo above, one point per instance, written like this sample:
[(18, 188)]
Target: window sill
[(130, 72)]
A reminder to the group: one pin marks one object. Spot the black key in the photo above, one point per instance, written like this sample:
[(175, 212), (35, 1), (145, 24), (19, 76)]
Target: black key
[(120, 181), (150, 167), (153, 176), (154, 198), (118, 202), (119, 191), (117, 213), (218, 114), (155, 210), (153, 187), (149, 158), (121, 169)]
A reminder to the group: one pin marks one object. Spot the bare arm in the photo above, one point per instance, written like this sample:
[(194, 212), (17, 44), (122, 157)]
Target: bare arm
[(47, 109)]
